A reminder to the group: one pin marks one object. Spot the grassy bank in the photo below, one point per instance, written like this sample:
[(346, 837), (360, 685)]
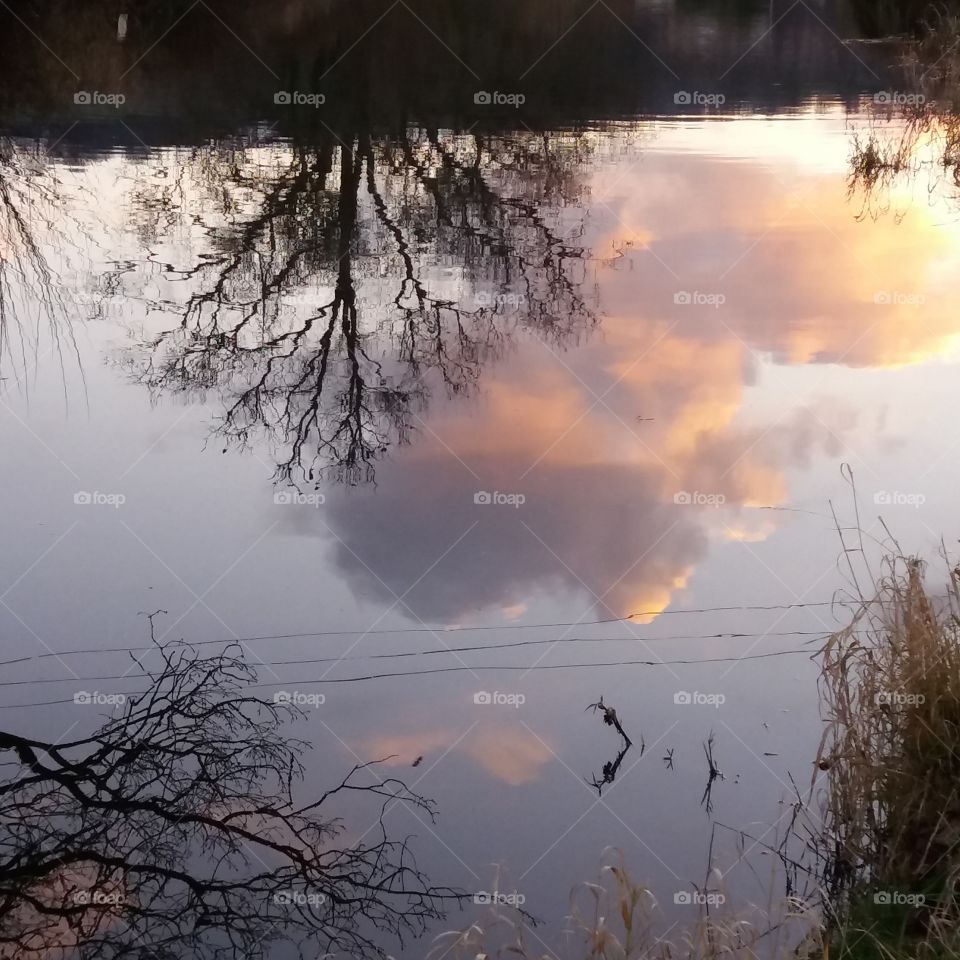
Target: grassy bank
[(891, 696)]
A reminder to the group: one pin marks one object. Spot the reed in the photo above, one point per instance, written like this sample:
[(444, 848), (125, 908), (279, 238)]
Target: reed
[(616, 918), (890, 692)]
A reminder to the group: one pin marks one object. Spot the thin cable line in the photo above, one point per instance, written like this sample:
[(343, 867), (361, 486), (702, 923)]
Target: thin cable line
[(418, 673), (448, 650), (438, 630)]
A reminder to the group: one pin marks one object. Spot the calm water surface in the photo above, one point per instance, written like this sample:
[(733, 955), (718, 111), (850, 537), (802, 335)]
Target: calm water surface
[(366, 377)]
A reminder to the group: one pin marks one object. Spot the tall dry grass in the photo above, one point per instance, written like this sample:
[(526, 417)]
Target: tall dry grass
[(932, 63), (890, 692), (616, 918)]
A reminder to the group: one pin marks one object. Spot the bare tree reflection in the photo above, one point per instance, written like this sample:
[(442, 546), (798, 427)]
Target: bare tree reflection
[(174, 831), (373, 275), (31, 300)]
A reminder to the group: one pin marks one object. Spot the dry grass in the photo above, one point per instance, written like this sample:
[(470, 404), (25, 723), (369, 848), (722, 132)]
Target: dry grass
[(933, 62), (920, 132), (874, 161), (616, 918), (890, 689)]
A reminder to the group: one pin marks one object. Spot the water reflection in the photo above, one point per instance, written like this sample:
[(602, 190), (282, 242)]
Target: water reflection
[(176, 828), (593, 353), (804, 286), (609, 771), (185, 75), (35, 317), (330, 296), (509, 752), (329, 311)]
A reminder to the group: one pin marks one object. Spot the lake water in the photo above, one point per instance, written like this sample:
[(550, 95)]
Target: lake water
[(515, 373)]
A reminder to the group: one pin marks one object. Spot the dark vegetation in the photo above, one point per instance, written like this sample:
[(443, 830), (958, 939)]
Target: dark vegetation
[(193, 72), (175, 830)]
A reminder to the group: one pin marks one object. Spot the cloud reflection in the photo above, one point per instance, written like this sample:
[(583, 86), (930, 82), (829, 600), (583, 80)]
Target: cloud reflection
[(672, 398), (508, 752)]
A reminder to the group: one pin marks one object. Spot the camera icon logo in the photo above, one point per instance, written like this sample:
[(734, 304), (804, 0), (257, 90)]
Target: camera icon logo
[(682, 697), (282, 97), (283, 497), (82, 497), (682, 297), (683, 898), (82, 97), (682, 97), (482, 98), (682, 497), (482, 497), (482, 697)]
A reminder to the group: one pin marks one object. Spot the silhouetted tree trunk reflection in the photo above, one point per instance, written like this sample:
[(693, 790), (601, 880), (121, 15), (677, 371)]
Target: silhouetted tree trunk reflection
[(397, 228)]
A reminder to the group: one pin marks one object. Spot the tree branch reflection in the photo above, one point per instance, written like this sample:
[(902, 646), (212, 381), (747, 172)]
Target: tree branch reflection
[(328, 319)]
